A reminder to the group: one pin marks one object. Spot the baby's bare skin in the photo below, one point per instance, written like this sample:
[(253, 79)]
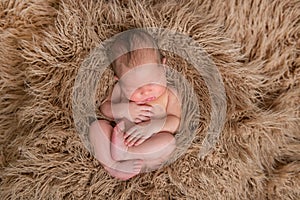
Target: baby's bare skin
[(147, 114), (100, 132), (165, 112), (165, 109)]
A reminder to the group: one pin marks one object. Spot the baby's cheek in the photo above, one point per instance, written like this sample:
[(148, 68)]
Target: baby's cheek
[(161, 90), (135, 97)]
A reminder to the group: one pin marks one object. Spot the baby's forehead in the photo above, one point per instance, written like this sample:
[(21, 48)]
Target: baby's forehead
[(142, 69), (150, 72)]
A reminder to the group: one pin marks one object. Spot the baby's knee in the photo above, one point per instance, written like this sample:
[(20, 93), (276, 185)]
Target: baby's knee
[(167, 143), (167, 138), (99, 126), (171, 144), (100, 122)]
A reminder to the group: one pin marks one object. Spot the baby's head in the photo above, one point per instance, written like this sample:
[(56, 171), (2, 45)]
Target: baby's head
[(136, 62)]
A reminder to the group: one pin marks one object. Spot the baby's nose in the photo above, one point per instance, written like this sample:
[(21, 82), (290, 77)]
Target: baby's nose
[(146, 91)]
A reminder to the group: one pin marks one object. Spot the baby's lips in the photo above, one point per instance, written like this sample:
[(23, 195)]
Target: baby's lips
[(150, 99)]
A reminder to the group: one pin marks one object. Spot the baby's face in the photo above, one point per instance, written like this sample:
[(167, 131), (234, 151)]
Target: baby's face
[(144, 83)]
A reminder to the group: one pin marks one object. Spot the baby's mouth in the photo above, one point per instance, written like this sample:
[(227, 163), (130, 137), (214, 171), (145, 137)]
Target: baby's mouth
[(149, 99)]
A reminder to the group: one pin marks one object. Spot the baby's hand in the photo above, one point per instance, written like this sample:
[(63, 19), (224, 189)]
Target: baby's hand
[(139, 112), (137, 134)]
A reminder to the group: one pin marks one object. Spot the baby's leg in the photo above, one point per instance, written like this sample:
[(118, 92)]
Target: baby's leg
[(100, 135), (157, 147)]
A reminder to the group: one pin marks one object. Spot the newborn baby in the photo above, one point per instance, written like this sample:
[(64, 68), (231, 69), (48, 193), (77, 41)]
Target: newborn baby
[(145, 112)]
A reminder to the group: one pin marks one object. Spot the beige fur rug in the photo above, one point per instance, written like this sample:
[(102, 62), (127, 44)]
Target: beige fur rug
[(255, 44)]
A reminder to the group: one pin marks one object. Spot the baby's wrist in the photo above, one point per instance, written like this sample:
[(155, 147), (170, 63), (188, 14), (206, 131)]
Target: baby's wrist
[(158, 124)]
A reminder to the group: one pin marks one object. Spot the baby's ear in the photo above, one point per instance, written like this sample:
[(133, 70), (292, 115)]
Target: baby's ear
[(116, 78)]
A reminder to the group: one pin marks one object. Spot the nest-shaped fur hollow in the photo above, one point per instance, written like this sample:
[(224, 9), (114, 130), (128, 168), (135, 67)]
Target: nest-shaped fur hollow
[(255, 46)]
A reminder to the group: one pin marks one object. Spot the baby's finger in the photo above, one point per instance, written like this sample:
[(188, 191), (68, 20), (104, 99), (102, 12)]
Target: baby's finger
[(129, 139), (137, 121), (147, 113), (146, 107), (126, 135), (129, 132), (132, 143), (140, 141), (143, 118), (140, 103)]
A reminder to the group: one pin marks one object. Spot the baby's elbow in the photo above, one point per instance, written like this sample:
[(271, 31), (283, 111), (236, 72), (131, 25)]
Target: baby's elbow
[(175, 122)]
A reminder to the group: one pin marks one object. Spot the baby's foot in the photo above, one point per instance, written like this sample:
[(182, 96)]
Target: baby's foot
[(125, 170), (118, 147)]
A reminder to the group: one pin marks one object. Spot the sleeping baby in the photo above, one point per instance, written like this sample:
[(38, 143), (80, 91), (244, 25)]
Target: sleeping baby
[(144, 112)]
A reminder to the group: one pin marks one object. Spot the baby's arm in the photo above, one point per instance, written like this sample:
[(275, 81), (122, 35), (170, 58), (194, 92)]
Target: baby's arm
[(114, 107), (113, 98), (173, 111), (170, 123)]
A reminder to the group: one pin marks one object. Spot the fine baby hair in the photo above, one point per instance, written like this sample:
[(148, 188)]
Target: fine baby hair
[(130, 48)]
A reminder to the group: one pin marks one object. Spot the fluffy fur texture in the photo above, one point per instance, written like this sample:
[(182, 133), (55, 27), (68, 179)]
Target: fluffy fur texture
[(255, 45)]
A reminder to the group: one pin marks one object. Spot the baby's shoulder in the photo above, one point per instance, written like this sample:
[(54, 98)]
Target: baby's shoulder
[(172, 92), (173, 97), (174, 102)]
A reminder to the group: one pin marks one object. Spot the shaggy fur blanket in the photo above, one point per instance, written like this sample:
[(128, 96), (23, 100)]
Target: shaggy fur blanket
[(254, 43)]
